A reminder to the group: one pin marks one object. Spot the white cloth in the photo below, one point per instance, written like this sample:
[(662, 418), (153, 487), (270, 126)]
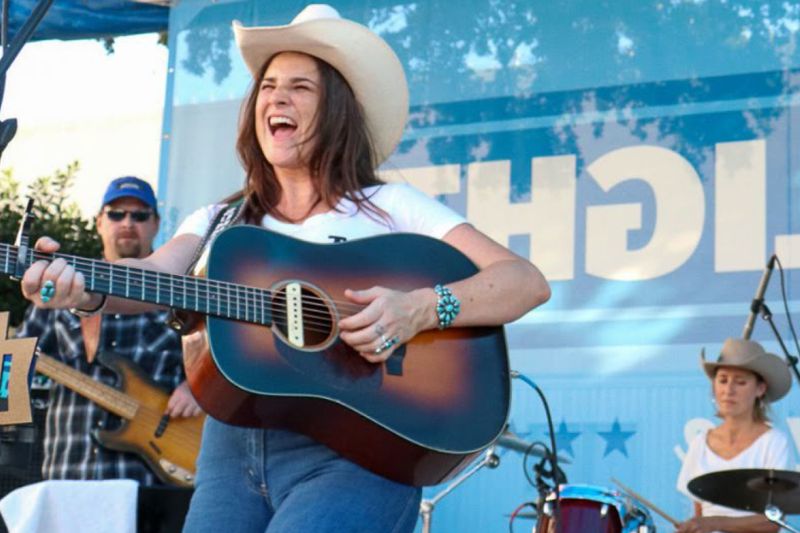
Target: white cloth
[(411, 211), (770, 450), (66, 506)]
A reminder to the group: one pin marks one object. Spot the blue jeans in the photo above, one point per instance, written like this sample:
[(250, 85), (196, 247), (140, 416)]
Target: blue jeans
[(275, 481)]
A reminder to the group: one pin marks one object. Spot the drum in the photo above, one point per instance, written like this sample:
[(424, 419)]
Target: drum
[(587, 508)]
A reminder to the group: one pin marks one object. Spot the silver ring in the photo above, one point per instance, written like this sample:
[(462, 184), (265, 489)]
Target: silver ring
[(387, 344), (383, 345)]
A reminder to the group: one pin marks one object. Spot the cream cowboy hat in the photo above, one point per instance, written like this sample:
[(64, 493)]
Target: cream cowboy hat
[(366, 61), (749, 355)]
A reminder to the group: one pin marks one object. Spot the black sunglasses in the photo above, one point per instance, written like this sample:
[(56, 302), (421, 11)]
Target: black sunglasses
[(118, 215)]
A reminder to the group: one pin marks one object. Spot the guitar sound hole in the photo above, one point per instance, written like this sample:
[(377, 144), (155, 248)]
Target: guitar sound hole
[(302, 315)]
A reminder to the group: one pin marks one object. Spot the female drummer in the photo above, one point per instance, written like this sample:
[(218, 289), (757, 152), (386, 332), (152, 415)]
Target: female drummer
[(744, 380)]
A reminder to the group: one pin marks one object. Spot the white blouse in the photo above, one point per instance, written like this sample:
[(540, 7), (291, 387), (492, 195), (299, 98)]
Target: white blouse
[(770, 450)]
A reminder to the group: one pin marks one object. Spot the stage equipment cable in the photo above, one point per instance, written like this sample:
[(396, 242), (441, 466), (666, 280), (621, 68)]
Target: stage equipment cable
[(552, 457)]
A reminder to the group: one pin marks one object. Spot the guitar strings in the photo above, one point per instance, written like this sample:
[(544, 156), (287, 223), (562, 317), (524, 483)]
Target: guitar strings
[(313, 321), (157, 281), (121, 273), (315, 310), (242, 296)]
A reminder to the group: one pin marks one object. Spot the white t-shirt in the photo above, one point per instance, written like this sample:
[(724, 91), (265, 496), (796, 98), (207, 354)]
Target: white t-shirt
[(411, 211), (770, 450)]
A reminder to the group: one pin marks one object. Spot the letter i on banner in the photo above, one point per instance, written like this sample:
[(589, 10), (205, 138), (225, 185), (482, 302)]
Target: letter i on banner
[(15, 358)]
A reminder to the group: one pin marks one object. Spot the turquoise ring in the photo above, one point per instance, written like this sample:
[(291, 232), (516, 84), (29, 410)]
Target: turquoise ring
[(48, 291), (387, 344)]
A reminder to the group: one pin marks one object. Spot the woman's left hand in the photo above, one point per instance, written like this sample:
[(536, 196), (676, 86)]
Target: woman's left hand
[(389, 319)]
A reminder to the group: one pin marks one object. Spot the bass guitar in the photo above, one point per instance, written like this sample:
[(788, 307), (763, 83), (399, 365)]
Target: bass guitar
[(268, 353), (168, 445)]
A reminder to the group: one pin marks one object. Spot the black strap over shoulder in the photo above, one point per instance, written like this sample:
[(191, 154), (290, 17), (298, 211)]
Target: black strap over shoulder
[(229, 215), (226, 216)]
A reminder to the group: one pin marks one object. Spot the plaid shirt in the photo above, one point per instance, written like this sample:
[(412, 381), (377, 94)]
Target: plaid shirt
[(69, 450)]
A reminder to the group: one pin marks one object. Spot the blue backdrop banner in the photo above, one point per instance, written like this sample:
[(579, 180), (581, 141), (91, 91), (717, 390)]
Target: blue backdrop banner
[(641, 153)]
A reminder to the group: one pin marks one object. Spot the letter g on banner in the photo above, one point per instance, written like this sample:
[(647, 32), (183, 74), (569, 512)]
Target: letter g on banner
[(680, 214)]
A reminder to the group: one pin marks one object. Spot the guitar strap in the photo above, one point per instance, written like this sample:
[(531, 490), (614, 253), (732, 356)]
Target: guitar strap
[(228, 216)]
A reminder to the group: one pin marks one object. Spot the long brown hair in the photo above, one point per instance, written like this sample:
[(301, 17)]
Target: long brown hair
[(342, 160)]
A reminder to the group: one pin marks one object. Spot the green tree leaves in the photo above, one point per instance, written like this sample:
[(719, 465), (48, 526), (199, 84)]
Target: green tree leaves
[(56, 216)]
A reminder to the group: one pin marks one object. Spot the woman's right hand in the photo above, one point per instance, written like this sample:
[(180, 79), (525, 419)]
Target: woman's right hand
[(68, 284)]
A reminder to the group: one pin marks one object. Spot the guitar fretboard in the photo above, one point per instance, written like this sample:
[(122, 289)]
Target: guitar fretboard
[(107, 397), (209, 297)]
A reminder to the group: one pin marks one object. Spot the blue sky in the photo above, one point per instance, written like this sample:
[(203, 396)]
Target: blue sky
[(56, 80), (62, 80), (73, 101)]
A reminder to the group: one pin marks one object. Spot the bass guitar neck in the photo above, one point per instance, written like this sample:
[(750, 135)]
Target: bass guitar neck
[(168, 445)]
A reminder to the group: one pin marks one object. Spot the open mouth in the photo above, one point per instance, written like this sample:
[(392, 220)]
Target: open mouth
[(281, 127)]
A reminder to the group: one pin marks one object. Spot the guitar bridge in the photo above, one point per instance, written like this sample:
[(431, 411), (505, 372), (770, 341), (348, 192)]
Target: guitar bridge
[(294, 314)]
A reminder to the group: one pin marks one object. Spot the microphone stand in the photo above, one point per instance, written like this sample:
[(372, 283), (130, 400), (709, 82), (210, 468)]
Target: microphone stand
[(8, 127), (10, 50), (791, 360), (490, 459)]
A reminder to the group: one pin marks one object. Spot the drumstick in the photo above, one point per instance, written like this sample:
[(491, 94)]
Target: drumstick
[(645, 502)]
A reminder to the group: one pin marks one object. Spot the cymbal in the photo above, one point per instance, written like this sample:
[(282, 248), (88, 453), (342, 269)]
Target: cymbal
[(750, 489), (513, 442)]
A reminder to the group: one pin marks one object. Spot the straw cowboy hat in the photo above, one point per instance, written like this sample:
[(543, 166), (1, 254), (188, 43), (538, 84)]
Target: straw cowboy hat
[(366, 61), (749, 355)]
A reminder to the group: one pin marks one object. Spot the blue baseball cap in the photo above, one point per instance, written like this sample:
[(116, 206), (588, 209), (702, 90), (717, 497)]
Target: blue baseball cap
[(130, 187)]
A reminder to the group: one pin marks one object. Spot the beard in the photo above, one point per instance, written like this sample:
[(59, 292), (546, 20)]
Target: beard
[(128, 248)]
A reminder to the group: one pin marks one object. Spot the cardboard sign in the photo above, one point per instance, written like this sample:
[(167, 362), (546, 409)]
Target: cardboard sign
[(16, 356)]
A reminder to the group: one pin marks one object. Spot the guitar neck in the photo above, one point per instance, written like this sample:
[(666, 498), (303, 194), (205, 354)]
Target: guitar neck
[(103, 395), (187, 293)]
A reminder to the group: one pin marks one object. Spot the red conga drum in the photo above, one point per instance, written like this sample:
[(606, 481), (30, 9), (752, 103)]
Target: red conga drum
[(586, 508)]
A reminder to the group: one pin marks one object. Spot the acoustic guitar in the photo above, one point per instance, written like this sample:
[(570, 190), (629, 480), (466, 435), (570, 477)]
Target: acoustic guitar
[(268, 353), (168, 445)]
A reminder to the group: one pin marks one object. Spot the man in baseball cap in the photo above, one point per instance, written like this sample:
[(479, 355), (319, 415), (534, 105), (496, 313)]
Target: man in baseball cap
[(131, 187), (128, 219), (127, 222)]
